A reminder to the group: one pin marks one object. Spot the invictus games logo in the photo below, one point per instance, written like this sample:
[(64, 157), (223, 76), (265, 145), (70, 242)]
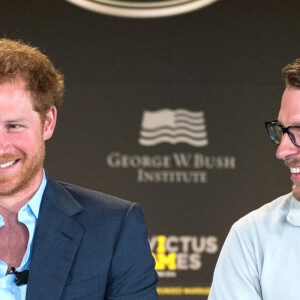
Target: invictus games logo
[(173, 126), (142, 8), (181, 253)]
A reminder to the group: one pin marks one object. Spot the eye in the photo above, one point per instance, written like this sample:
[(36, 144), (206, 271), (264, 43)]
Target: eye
[(14, 126)]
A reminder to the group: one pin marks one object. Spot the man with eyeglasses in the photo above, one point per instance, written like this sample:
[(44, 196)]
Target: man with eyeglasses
[(260, 258)]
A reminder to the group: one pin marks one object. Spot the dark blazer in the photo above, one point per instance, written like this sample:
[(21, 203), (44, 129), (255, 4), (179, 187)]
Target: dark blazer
[(88, 245)]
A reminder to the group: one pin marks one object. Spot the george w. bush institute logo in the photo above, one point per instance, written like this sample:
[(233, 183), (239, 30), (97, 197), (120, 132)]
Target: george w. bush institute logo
[(142, 8), (173, 126)]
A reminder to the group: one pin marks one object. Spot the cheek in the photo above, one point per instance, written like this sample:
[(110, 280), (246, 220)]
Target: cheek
[(28, 143)]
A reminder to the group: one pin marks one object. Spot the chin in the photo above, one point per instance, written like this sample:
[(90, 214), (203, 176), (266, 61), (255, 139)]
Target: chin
[(296, 191)]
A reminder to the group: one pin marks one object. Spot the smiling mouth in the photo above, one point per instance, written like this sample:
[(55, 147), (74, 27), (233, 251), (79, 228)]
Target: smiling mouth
[(295, 170), (8, 164)]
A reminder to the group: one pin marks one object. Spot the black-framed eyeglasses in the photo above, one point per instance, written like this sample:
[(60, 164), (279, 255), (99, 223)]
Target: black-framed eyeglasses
[(276, 132)]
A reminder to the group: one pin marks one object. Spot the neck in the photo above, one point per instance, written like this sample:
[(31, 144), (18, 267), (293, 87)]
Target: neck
[(13, 203)]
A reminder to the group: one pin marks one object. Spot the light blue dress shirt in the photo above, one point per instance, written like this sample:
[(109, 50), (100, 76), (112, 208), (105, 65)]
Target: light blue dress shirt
[(260, 258), (28, 215)]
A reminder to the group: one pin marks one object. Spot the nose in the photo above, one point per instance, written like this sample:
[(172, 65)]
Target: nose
[(286, 149)]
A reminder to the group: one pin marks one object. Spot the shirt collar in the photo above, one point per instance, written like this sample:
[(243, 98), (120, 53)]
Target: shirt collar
[(35, 202)]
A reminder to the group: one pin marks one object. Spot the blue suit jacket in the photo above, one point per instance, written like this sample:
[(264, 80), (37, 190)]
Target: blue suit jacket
[(88, 245)]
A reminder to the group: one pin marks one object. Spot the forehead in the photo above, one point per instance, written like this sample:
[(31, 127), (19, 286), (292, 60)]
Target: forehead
[(14, 92), (14, 84), (289, 113)]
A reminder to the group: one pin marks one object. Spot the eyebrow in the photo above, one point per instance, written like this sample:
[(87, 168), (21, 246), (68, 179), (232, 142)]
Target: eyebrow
[(295, 125), (17, 121)]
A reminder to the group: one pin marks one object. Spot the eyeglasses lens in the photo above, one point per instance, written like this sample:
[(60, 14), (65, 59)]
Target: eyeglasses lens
[(275, 133), (295, 135)]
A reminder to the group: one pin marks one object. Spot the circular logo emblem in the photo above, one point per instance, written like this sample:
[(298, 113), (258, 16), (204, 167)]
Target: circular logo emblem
[(142, 9)]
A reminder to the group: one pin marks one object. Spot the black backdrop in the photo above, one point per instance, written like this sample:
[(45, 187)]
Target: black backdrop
[(224, 60)]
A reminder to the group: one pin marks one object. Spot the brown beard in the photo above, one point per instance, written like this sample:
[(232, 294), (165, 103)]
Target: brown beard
[(28, 172), (8, 157), (292, 162), (296, 191)]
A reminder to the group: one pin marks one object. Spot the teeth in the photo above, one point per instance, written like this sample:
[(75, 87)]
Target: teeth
[(295, 170), (2, 166)]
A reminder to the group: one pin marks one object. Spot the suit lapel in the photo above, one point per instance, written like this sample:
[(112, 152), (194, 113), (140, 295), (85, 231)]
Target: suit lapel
[(56, 241)]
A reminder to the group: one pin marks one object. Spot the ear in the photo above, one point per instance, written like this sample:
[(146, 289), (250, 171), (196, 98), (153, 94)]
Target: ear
[(49, 124)]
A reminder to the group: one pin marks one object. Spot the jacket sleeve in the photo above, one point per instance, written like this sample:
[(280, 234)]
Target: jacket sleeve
[(132, 275), (236, 275)]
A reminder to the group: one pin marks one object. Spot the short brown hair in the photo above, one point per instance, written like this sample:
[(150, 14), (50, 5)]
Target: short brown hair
[(291, 74), (46, 84)]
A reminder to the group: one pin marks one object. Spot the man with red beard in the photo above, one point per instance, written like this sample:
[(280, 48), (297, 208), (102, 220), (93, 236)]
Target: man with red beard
[(259, 259), (58, 241)]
